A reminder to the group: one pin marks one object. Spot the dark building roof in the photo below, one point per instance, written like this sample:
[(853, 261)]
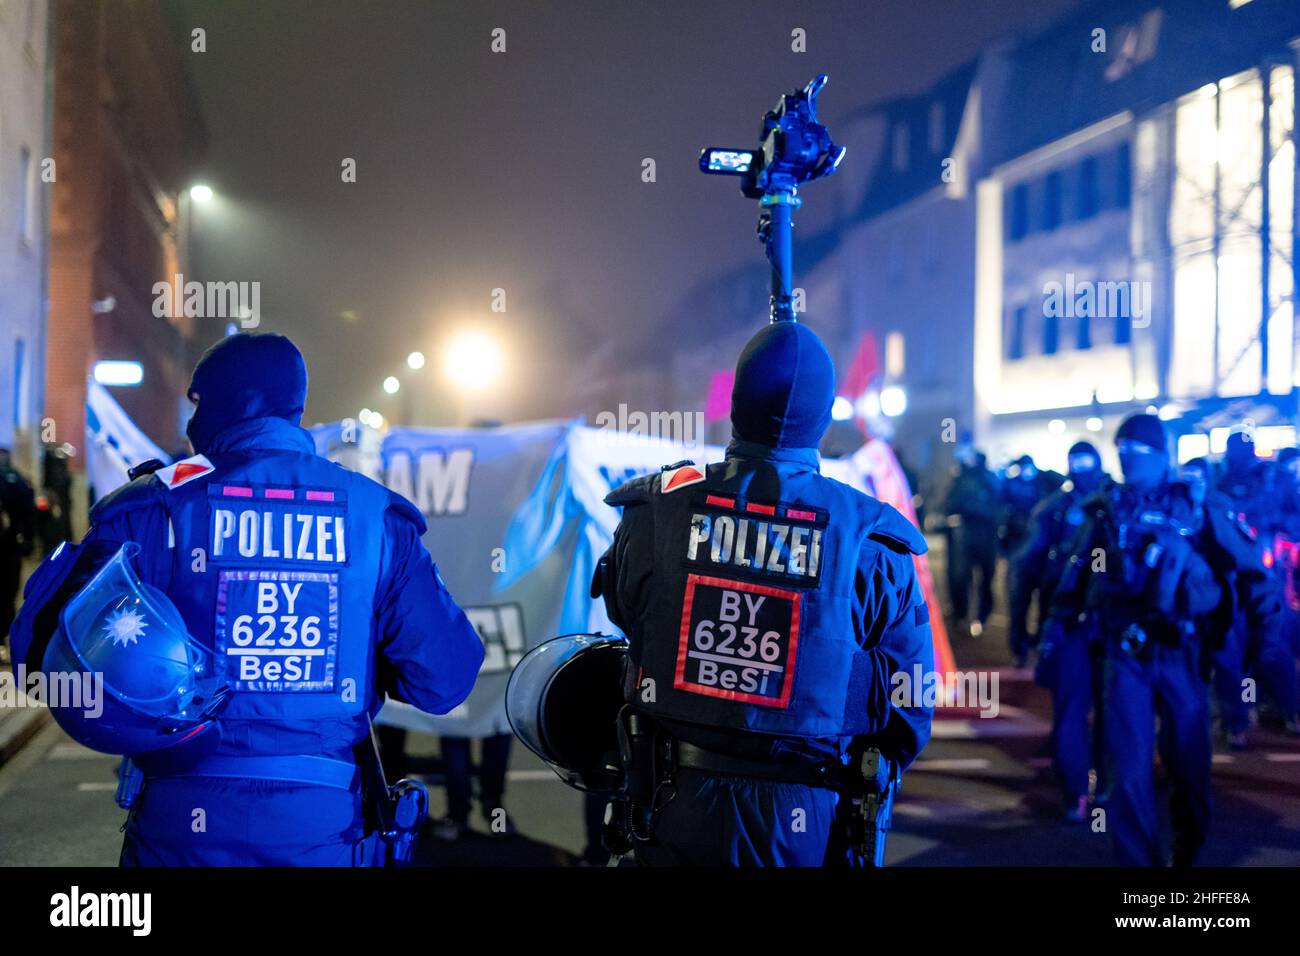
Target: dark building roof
[(1155, 52)]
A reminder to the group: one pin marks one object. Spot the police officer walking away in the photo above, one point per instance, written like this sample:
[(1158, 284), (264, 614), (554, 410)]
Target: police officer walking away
[(306, 584), (1068, 661), (972, 509), (1154, 583), (767, 609)]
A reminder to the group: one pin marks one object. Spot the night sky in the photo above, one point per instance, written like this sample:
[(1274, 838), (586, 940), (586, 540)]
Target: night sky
[(520, 170)]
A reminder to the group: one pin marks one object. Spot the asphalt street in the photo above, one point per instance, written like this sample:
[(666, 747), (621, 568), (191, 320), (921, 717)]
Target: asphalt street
[(982, 793)]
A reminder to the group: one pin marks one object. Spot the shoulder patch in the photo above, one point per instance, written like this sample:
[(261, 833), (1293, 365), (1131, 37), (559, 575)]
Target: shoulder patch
[(683, 476), (185, 470)]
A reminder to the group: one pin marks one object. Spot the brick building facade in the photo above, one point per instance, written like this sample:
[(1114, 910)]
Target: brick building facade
[(126, 140)]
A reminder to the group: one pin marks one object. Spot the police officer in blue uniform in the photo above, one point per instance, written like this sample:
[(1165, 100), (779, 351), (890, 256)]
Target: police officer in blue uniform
[(768, 610), (1155, 573), (311, 588), (1068, 660), (1250, 488)]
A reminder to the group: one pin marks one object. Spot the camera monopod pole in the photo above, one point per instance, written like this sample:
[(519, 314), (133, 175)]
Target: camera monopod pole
[(776, 230), (795, 148)]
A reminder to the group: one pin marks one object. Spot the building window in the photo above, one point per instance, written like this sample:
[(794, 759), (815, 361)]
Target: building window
[(1051, 334), (1016, 334), (936, 128), (1123, 176), (1085, 197), (1018, 212), (26, 229), (20, 384), (1052, 201), (900, 146), (1083, 332), (1124, 322)]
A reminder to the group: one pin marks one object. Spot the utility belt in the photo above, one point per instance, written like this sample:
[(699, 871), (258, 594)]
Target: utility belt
[(309, 771), (651, 757), (393, 815)]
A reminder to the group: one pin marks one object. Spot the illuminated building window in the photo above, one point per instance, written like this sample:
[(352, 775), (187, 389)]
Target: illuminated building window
[(1228, 341), (1083, 332)]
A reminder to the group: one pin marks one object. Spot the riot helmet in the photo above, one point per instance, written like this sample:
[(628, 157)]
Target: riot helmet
[(158, 688), (563, 700)]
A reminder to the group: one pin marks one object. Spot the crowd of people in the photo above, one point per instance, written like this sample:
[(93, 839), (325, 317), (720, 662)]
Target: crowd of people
[(1167, 606)]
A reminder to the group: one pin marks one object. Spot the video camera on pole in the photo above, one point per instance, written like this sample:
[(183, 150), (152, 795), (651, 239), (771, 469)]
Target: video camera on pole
[(794, 148)]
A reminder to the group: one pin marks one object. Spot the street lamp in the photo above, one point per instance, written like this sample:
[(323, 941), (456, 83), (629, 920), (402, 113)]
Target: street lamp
[(201, 192), (391, 385), (473, 361), (415, 360)]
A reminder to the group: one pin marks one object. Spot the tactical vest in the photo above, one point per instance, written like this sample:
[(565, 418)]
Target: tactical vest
[(751, 625), (275, 564)]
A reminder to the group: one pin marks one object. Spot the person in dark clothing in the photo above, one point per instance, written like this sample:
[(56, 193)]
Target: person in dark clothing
[(459, 768), (1023, 489), (767, 610), (972, 508), (1252, 652), (1069, 662), (17, 535), (1155, 573)]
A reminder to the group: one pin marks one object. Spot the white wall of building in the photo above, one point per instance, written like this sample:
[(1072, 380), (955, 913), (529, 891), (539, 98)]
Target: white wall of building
[(24, 224)]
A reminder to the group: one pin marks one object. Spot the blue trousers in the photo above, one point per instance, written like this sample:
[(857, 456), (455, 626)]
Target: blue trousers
[(1164, 687), (210, 821), (1076, 688), (721, 820)]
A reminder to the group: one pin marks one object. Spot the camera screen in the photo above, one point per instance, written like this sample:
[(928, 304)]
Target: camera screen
[(729, 161)]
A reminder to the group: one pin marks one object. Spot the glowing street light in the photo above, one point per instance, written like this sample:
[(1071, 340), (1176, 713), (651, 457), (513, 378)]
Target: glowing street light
[(415, 360), (893, 401), (200, 192), (391, 385), (473, 361), (841, 409)]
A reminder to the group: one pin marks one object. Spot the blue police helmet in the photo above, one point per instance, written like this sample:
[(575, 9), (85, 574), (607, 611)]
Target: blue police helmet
[(159, 689), (563, 700)]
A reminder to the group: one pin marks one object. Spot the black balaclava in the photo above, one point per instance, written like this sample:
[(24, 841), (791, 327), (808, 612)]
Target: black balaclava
[(1195, 473), (1239, 456), (246, 376), (785, 386), (1144, 467), (1085, 466)]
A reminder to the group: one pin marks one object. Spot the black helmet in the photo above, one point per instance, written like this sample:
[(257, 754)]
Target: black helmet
[(563, 701)]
